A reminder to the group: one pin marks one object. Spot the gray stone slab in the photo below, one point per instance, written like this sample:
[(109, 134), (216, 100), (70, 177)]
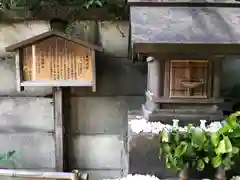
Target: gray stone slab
[(117, 77), (10, 34), (85, 30), (108, 31), (8, 81), (114, 37), (102, 114), (97, 152), (26, 115), (196, 25), (34, 150), (103, 174), (143, 159)]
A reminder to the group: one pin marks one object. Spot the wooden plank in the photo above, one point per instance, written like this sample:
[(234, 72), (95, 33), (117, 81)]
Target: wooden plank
[(93, 70), (34, 62), (162, 74), (166, 91), (57, 83), (197, 49), (58, 125), (185, 118), (37, 174), (48, 34), (18, 71), (67, 127), (189, 101)]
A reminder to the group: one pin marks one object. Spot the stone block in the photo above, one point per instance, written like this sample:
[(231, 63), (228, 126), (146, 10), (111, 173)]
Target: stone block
[(8, 81), (103, 174), (117, 77), (26, 115), (97, 152), (114, 37), (34, 150), (102, 114)]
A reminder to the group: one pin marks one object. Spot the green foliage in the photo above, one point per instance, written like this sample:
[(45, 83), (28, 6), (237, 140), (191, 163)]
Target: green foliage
[(195, 147), (75, 7), (7, 157), (184, 148)]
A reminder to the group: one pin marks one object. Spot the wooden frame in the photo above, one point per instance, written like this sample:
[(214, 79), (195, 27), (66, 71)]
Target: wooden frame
[(212, 87), (209, 72), (49, 54), (75, 175)]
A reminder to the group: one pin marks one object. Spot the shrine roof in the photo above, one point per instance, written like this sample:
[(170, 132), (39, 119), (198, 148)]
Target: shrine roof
[(48, 34)]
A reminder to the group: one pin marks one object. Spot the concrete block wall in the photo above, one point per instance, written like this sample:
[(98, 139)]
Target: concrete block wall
[(26, 118), (99, 120)]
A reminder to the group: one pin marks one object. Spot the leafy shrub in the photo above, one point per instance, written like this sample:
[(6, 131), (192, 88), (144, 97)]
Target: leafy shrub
[(195, 147)]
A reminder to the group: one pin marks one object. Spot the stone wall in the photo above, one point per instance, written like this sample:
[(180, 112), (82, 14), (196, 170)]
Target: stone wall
[(98, 121), (27, 123)]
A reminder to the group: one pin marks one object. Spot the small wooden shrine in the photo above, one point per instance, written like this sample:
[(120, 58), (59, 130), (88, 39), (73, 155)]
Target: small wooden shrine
[(54, 59), (184, 47)]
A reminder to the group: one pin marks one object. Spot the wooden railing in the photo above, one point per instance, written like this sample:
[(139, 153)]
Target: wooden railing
[(75, 175)]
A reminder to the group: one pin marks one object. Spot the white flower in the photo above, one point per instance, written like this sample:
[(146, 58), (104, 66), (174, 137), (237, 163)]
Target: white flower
[(203, 124), (142, 125), (214, 126), (175, 123), (137, 177)]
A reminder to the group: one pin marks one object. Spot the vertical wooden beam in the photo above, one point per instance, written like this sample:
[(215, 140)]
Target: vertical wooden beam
[(166, 91), (66, 91), (18, 70), (58, 126), (60, 99), (34, 62), (210, 76), (93, 70)]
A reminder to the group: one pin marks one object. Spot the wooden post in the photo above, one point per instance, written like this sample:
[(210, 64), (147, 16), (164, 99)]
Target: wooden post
[(94, 71), (33, 62), (153, 83), (18, 70), (58, 125), (59, 95)]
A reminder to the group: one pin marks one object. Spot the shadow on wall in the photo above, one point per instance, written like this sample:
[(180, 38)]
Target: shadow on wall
[(232, 99), (143, 159)]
